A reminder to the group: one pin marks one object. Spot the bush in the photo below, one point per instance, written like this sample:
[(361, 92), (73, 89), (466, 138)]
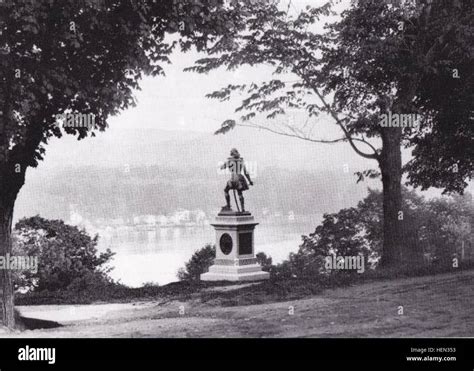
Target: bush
[(67, 257), (439, 228), (199, 263), (265, 261)]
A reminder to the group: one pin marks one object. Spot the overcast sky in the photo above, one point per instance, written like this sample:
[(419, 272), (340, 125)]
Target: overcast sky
[(177, 102)]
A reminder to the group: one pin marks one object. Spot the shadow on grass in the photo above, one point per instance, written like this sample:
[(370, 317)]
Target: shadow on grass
[(35, 324), (26, 323)]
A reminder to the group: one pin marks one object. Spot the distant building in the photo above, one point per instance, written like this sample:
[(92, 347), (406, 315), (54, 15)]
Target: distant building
[(200, 217), (181, 217), (291, 216)]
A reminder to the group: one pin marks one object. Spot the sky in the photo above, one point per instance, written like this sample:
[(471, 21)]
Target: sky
[(177, 102)]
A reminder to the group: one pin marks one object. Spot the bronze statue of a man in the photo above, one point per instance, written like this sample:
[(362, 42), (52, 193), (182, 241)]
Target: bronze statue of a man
[(237, 181)]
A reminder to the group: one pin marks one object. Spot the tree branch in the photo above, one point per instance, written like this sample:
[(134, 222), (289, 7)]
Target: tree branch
[(294, 135), (372, 156)]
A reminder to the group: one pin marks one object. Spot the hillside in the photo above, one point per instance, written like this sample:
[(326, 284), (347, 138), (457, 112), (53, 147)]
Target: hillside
[(111, 193), (433, 306)]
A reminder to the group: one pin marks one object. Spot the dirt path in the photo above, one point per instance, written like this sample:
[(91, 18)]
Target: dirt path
[(432, 306)]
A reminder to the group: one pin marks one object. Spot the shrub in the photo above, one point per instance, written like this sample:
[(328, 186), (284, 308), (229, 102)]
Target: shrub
[(67, 257), (199, 263), (265, 261), (440, 228)]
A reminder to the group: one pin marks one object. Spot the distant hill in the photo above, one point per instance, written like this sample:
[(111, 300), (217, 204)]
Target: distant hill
[(118, 147), (100, 192), (146, 171)]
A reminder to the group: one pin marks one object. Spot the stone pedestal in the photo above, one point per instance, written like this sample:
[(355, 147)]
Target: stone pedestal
[(235, 256)]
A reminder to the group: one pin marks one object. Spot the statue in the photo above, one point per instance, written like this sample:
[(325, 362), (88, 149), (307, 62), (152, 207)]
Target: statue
[(235, 243), (237, 181)]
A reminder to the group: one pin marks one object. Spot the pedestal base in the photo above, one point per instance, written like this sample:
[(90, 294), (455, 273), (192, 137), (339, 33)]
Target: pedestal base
[(235, 273), (235, 257)]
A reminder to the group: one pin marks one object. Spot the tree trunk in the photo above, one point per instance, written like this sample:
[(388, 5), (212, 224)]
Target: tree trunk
[(10, 184), (391, 169), (6, 216)]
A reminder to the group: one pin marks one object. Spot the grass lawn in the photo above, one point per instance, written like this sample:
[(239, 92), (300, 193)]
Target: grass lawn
[(430, 305)]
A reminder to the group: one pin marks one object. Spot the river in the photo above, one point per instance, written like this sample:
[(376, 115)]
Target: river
[(155, 255)]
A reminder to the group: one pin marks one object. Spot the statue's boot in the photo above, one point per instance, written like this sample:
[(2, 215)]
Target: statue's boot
[(227, 200), (242, 203)]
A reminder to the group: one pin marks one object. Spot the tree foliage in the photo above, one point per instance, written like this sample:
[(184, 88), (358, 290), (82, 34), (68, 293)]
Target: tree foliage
[(83, 58), (378, 57), (439, 229), (66, 255), (86, 57), (199, 263)]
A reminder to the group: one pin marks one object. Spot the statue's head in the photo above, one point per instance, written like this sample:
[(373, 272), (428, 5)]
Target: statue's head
[(234, 153)]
